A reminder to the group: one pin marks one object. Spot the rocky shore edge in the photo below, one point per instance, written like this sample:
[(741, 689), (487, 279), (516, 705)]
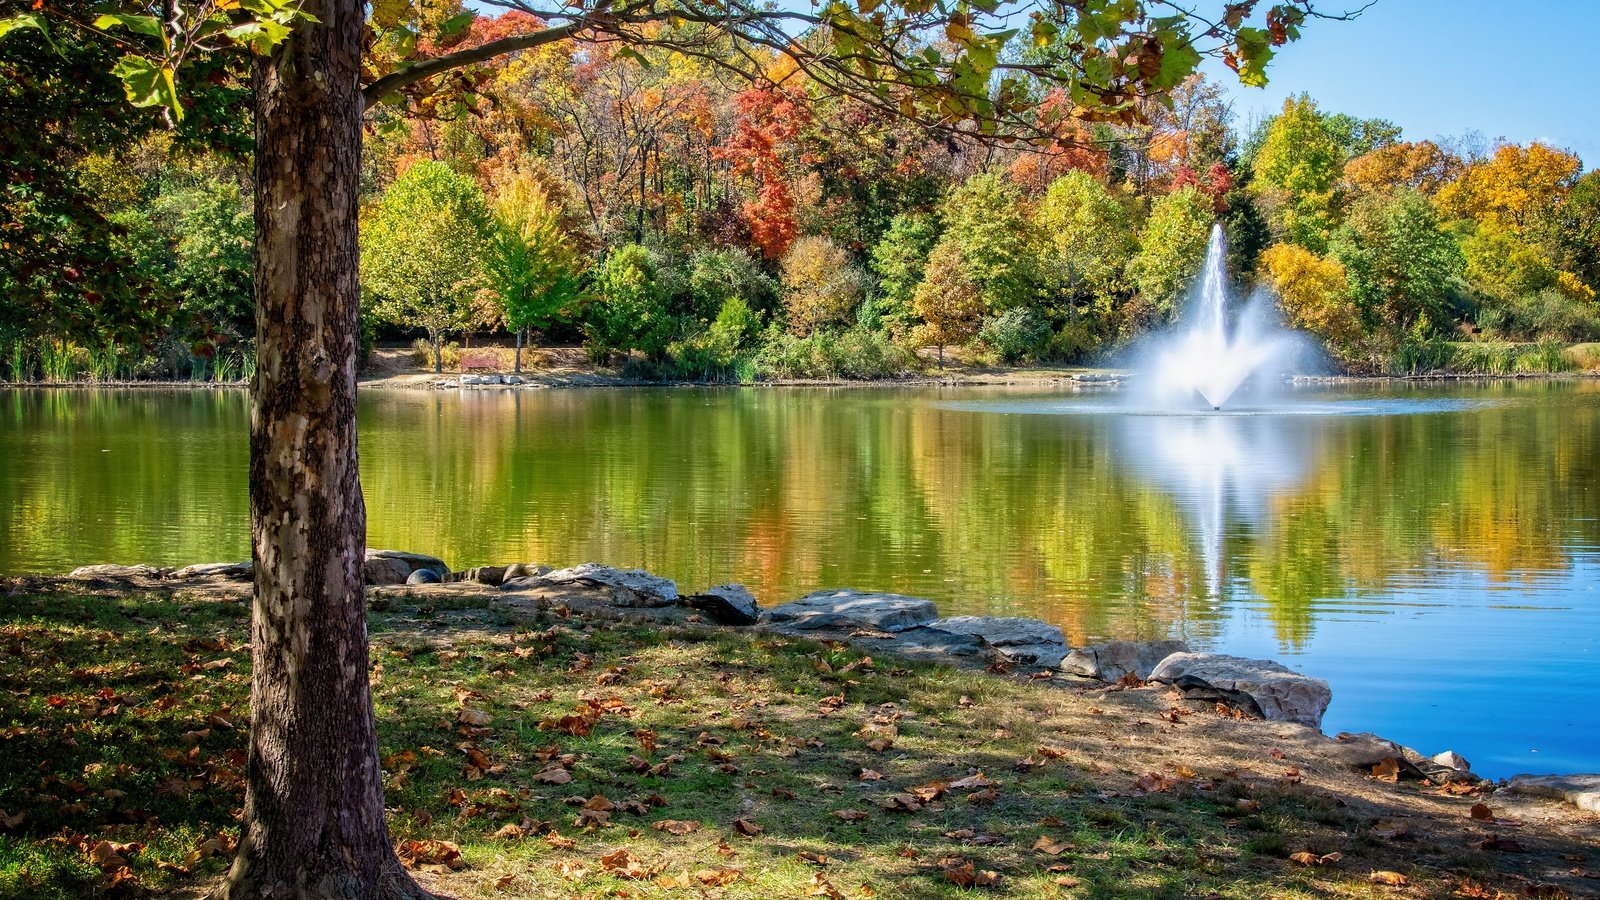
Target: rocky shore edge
[(912, 627)]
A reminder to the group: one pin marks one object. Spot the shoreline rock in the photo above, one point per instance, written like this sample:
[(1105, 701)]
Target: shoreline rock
[(1271, 690), (848, 609), (1014, 639), (1582, 791), (1115, 660), (911, 627), (633, 588), (726, 604)]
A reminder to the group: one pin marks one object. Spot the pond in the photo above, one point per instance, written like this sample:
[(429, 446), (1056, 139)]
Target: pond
[(1433, 551)]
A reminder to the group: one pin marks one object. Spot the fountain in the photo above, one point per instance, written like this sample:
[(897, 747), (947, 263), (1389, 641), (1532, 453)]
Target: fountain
[(1205, 356)]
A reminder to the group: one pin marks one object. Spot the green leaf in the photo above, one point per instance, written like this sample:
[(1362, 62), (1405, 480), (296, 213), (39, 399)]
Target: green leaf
[(27, 20), (140, 24), (1178, 60), (260, 36), (457, 23), (1255, 50), (148, 83), (636, 56)]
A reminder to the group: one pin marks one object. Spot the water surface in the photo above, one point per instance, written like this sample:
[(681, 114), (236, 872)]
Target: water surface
[(1432, 551)]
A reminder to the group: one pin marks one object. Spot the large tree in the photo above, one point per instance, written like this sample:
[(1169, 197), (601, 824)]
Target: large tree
[(424, 248), (313, 822)]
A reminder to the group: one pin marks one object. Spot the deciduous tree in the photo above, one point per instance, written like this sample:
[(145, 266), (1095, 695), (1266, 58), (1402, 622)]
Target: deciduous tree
[(531, 259), (948, 301), (422, 252), (1172, 248)]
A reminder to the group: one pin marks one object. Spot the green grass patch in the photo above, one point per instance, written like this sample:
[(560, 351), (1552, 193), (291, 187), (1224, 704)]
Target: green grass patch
[(724, 763)]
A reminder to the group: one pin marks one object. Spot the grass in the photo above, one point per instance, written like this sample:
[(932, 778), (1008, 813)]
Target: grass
[(122, 721)]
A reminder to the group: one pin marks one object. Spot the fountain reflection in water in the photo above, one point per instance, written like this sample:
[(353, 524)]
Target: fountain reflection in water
[(1222, 471), (1207, 358)]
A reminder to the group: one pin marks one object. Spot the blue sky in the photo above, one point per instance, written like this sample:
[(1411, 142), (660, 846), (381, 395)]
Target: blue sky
[(1522, 70)]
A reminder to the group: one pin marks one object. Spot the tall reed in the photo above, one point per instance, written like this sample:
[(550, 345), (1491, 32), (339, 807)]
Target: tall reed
[(59, 361)]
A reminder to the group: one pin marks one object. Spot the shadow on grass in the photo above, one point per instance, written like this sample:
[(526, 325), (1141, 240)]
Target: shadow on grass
[(122, 721)]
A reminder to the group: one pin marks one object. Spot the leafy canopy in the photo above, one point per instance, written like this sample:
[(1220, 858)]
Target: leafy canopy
[(531, 262), (421, 250)]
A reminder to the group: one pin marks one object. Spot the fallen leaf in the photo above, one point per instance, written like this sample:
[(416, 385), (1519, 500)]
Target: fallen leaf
[(719, 877), (1387, 770), (554, 775), (851, 815), (1393, 879), (572, 870), (1307, 858), (677, 826), (1047, 844), (476, 717), (820, 887), (746, 827), (1482, 813)]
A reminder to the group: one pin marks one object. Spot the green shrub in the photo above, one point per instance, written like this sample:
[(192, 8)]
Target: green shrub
[(1016, 335), (850, 353), (1419, 355), (630, 310)]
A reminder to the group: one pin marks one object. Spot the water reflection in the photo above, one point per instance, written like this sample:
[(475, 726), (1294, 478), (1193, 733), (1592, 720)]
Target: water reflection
[(1223, 471), (1389, 539)]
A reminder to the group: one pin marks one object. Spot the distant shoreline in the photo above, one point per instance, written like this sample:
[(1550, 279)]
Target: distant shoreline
[(1081, 378)]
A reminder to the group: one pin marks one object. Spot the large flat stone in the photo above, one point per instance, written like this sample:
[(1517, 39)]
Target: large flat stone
[(726, 604), (413, 561), (382, 570), (114, 571), (1017, 639), (1114, 660), (923, 642), (237, 571), (846, 609), (1277, 692), (629, 587), (1582, 791)]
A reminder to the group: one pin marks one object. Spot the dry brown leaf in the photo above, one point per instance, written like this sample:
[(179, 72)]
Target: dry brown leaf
[(677, 826), (718, 877), (554, 775), (820, 887), (1047, 844), (1482, 813), (572, 870), (1393, 879), (1387, 770), (622, 864), (851, 815), (746, 827), (475, 717)]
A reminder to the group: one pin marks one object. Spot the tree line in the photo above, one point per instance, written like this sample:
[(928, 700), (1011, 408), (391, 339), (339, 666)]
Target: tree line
[(683, 223)]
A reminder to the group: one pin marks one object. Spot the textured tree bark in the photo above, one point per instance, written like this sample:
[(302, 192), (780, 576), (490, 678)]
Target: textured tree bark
[(313, 817)]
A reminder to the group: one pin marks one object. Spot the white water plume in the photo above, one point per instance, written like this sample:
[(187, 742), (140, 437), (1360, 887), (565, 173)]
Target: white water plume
[(1207, 358)]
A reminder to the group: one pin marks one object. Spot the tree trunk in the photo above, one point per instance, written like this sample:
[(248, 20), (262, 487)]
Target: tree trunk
[(313, 817), (516, 364), (437, 339)]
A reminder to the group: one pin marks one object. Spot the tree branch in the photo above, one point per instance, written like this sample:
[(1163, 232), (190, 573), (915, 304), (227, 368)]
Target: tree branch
[(428, 68)]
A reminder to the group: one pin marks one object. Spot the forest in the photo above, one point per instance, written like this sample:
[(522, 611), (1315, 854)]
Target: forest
[(682, 222)]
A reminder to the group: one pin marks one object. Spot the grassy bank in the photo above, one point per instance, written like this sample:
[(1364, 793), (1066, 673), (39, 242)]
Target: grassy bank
[(559, 754)]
